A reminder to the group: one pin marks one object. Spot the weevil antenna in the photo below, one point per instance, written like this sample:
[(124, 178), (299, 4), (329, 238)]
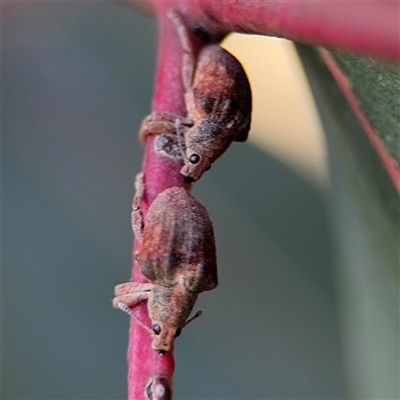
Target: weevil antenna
[(197, 315), (126, 309), (181, 137)]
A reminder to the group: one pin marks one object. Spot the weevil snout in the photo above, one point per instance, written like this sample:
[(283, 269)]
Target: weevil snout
[(190, 175), (163, 337), (195, 167), (188, 179)]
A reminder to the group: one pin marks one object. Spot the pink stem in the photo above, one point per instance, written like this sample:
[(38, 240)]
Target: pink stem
[(146, 366), (368, 28), (391, 165)]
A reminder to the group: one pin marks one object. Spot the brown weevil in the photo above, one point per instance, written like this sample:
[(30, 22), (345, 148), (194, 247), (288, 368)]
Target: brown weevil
[(177, 256), (218, 104)]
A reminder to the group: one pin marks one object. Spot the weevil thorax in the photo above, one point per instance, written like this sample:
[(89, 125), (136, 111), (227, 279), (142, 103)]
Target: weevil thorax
[(169, 308)]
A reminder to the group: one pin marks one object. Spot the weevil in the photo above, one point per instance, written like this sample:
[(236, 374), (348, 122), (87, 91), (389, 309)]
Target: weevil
[(177, 256), (218, 104)]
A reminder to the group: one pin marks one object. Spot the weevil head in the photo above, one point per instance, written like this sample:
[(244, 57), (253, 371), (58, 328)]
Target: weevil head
[(168, 311), (169, 307), (205, 142), (196, 164), (163, 336)]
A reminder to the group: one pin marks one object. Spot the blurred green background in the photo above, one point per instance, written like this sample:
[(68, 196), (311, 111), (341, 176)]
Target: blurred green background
[(76, 81)]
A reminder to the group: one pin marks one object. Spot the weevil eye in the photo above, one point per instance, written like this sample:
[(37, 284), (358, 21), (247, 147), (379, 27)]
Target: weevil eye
[(194, 158), (178, 332), (207, 104), (156, 329)]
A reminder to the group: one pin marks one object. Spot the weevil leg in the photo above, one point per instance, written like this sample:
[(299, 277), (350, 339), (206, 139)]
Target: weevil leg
[(130, 299), (132, 287), (189, 59), (137, 220), (131, 293), (181, 132), (158, 123)]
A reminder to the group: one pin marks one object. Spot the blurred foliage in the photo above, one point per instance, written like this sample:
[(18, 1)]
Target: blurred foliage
[(369, 174), (364, 210), (377, 87)]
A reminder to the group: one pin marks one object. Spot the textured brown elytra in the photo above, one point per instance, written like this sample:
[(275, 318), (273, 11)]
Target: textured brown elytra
[(218, 103), (177, 256)]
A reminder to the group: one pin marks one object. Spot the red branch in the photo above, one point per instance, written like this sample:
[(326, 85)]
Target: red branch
[(368, 28), (146, 366)]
